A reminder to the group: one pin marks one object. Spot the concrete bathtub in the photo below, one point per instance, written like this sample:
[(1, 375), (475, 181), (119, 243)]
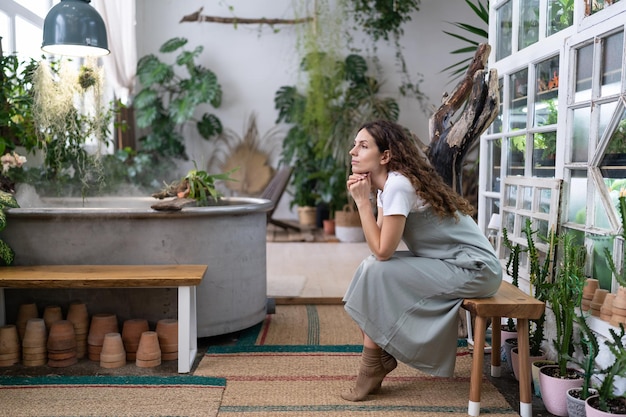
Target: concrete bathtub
[(229, 238)]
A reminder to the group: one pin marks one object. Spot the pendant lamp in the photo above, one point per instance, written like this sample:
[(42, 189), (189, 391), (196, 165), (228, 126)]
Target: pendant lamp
[(74, 28)]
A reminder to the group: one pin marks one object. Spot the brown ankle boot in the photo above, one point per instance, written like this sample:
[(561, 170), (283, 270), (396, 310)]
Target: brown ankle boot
[(389, 364), (370, 376)]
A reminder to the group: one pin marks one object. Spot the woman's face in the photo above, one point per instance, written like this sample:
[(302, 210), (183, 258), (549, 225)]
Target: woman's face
[(365, 154)]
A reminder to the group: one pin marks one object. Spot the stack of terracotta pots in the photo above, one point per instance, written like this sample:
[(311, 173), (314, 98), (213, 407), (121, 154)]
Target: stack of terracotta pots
[(596, 302), (9, 345), (131, 333), (606, 311), (113, 354), (61, 344), (618, 309), (34, 350), (101, 324), (589, 289), (167, 331), (77, 314), (148, 351)]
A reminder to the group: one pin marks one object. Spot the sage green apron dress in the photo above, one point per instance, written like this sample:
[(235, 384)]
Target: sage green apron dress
[(409, 304)]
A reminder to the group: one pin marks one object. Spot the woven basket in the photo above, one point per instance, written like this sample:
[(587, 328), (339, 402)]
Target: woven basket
[(348, 217)]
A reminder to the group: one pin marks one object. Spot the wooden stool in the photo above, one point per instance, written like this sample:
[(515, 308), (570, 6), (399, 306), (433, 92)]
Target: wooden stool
[(510, 302)]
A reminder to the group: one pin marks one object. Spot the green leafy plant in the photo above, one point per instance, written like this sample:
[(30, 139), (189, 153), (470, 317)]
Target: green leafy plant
[(17, 127), (612, 361), (588, 347), (338, 98), (6, 201), (167, 101), (467, 32), (565, 295), (619, 273), (198, 185)]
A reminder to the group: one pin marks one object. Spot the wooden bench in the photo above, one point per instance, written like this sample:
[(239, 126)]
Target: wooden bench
[(510, 302), (183, 277)]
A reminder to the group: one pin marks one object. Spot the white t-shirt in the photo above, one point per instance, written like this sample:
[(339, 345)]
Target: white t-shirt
[(398, 196)]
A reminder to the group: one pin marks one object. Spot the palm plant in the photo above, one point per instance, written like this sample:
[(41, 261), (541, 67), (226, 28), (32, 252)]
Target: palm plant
[(482, 11)]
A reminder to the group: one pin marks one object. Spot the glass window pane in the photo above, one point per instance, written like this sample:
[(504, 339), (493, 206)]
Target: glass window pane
[(580, 144), (560, 16), (494, 155), (544, 153), (504, 28), (519, 99), (28, 39), (612, 53), (546, 92), (545, 197), (600, 219), (529, 23), (527, 198), (510, 196), (599, 262), (516, 157), (577, 199), (584, 64), (613, 164), (606, 114)]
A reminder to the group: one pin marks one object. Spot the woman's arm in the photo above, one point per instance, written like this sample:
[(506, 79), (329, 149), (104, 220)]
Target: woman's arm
[(383, 235)]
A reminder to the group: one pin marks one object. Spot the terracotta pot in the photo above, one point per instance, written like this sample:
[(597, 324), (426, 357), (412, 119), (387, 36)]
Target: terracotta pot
[(329, 226), (606, 311), (131, 333), (597, 301), (113, 354), (167, 332), (25, 312), (9, 345), (101, 324), (52, 314), (148, 352), (553, 390), (35, 334), (515, 361), (61, 337), (77, 314)]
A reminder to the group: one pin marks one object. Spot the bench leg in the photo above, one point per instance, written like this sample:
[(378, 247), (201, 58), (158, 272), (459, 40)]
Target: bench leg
[(187, 328), (525, 396), (496, 341), (473, 408)]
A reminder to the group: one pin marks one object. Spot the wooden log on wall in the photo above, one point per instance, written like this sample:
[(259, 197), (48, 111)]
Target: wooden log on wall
[(478, 95)]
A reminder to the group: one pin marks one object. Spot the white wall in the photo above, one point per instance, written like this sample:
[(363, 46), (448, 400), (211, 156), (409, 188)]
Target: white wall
[(252, 62)]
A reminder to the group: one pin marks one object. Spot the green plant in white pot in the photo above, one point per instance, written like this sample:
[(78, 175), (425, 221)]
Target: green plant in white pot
[(564, 296), (611, 359)]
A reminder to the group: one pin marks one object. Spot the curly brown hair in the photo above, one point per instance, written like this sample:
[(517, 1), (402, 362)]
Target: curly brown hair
[(407, 159)]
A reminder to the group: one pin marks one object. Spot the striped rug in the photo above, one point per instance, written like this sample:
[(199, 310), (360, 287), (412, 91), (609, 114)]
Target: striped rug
[(298, 361), (100, 396)]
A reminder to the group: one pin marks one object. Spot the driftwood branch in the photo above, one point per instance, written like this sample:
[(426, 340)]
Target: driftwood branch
[(450, 141), (199, 17)]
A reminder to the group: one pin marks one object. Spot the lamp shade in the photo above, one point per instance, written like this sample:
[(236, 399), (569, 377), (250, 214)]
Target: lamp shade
[(74, 28)]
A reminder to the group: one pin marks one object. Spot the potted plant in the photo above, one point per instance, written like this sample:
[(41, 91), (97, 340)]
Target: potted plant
[(564, 296), (611, 359), (587, 352), (339, 96)]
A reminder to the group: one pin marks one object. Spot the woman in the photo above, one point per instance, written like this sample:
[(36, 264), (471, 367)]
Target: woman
[(406, 303)]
